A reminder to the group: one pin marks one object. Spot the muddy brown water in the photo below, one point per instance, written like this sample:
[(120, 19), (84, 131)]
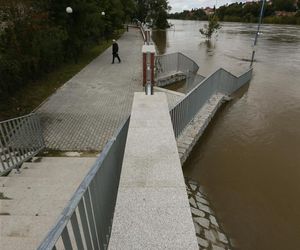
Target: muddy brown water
[(249, 159)]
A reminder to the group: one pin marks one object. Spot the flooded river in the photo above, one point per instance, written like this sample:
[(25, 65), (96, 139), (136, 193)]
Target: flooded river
[(249, 159)]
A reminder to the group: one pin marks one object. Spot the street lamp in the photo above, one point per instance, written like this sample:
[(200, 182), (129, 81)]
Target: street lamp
[(69, 10), (103, 13)]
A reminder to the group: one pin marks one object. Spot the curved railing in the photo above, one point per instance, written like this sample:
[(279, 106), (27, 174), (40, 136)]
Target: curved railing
[(142, 31), (174, 64), (221, 81)]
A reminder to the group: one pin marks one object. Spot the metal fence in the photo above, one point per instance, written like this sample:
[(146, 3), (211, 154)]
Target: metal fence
[(140, 25), (20, 139), (221, 82), (87, 220), (174, 64)]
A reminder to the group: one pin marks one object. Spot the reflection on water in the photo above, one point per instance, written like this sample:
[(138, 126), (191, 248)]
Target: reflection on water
[(160, 39), (249, 159)]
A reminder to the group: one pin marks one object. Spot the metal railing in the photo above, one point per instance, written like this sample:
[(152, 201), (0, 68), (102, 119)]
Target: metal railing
[(87, 220), (220, 82), (20, 139), (172, 64), (140, 25)]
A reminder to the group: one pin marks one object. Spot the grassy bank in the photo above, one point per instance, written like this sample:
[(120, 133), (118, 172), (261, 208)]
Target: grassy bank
[(27, 98)]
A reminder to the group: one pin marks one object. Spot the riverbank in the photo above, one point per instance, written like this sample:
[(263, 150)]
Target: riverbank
[(30, 96), (248, 159), (285, 20)]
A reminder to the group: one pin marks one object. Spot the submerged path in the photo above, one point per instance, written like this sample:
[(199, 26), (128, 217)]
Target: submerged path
[(84, 113)]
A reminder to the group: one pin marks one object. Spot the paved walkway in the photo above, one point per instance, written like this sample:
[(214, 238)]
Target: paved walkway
[(84, 113)]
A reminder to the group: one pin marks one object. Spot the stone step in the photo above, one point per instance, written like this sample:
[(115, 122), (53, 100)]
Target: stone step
[(26, 226), (61, 164), (60, 176), (33, 182), (42, 194), (18, 243), (64, 161), (32, 207)]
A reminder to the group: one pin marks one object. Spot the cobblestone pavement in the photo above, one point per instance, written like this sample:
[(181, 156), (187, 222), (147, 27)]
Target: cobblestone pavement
[(209, 232), (85, 112)]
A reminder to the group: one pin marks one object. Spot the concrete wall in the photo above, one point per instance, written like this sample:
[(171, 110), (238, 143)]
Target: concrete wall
[(152, 210)]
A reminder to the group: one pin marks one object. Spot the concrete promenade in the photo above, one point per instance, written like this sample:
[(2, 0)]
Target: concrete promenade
[(85, 112), (152, 209)]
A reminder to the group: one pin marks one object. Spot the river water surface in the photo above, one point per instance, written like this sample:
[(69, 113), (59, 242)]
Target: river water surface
[(249, 159)]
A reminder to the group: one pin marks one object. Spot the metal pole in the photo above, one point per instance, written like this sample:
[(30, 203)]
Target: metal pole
[(258, 29), (148, 87)]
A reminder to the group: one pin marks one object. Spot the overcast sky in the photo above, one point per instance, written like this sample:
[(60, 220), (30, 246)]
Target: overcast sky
[(180, 5)]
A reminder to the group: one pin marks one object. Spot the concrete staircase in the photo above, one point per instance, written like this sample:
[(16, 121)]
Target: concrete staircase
[(31, 201)]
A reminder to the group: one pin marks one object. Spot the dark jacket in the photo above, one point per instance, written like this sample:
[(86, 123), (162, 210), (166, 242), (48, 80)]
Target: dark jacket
[(115, 48)]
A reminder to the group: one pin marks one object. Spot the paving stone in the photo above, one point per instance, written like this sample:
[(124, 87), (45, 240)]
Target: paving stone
[(213, 220), (202, 242), (192, 202), (202, 222), (197, 212), (222, 237), (204, 208), (209, 235), (194, 187), (202, 200), (197, 228), (215, 247)]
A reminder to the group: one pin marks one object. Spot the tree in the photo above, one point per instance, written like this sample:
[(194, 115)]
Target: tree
[(155, 10), (285, 5), (211, 28), (37, 36)]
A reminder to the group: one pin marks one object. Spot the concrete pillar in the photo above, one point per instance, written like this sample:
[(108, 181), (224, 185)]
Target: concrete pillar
[(148, 66)]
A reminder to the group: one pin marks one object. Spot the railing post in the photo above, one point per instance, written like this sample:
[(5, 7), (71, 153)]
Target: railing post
[(148, 36), (148, 68)]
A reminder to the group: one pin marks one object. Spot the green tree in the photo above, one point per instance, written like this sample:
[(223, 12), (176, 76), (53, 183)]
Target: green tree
[(37, 36), (155, 10), (212, 27), (286, 5)]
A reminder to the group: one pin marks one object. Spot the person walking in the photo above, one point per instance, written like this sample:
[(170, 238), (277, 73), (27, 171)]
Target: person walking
[(115, 51)]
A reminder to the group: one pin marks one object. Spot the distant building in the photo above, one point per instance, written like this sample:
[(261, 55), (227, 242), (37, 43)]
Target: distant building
[(209, 11), (285, 13)]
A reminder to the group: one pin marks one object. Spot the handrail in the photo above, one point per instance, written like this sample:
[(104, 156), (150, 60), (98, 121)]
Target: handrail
[(221, 81), (170, 65), (103, 177), (21, 138)]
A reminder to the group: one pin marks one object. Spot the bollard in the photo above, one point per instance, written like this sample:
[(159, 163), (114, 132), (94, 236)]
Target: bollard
[(148, 68)]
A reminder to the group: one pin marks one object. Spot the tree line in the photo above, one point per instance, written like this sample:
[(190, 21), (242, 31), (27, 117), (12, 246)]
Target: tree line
[(247, 12), (36, 37)]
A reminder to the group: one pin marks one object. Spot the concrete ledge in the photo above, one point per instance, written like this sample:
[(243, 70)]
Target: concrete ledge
[(192, 133), (152, 210)]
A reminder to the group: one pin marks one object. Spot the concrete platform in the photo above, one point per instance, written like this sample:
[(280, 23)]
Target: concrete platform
[(84, 113), (152, 210)]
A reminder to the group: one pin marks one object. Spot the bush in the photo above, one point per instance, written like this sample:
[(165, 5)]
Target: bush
[(212, 27)]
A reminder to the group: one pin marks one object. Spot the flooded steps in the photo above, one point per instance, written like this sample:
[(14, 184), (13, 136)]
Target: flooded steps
[(189, 137)]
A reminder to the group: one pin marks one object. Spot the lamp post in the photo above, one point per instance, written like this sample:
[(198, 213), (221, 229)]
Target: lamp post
[(257, 32), (69, 10)]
